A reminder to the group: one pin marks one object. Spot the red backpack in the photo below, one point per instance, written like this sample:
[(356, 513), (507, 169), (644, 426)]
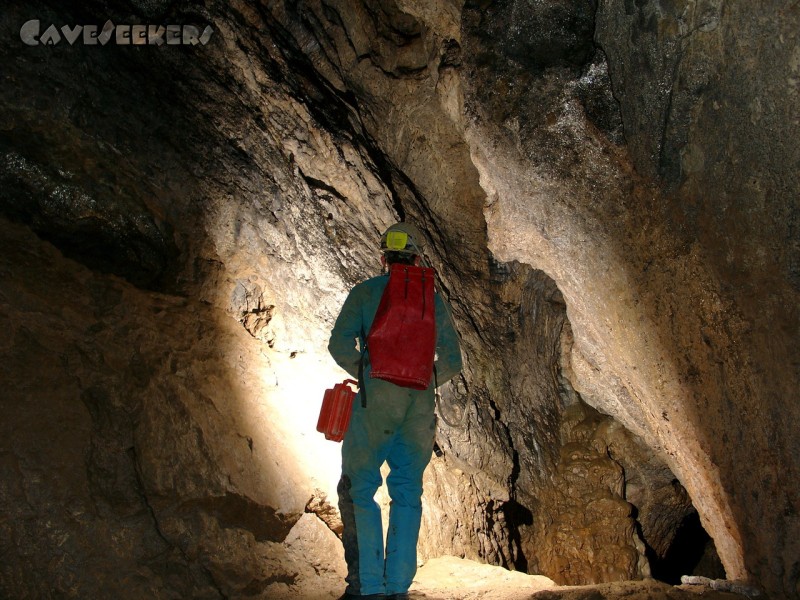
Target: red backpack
[(402, 340)]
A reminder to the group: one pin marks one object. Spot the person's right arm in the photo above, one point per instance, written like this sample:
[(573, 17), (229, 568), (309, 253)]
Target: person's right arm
[(448, 351)]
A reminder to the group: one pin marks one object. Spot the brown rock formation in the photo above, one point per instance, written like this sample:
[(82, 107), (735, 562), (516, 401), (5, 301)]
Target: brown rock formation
[(610, 192)]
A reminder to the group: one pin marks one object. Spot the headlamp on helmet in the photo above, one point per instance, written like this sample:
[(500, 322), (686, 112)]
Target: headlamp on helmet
[(403, 238)]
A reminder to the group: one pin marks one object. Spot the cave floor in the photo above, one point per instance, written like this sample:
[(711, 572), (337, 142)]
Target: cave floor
[(450, 578)]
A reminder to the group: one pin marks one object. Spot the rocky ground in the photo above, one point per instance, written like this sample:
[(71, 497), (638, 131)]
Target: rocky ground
[(450, 578)]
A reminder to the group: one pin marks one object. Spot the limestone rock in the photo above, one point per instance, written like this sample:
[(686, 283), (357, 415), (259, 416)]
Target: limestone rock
[(588, 508), (635, 590), (461, 578), (319, 554), (610, 195)]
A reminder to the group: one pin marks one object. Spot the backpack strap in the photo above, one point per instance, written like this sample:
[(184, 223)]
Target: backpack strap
[(361, 387)]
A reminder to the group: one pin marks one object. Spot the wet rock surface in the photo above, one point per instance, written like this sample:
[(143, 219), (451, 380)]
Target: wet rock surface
[(609, 191)]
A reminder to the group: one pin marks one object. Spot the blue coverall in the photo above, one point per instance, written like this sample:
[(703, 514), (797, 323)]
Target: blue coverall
[(397, 426)]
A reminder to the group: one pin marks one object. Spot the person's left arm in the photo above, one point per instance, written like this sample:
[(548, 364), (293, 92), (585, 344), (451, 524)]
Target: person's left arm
[(342, 343)]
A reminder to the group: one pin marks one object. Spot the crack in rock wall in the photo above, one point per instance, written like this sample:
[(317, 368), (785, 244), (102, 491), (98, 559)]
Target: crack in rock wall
[(214, 204)]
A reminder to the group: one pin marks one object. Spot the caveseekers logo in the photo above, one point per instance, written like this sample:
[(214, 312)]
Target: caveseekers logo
[(123, 35)]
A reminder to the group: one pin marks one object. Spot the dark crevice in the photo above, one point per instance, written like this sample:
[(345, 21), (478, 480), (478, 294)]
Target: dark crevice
[(321, 185), (692, 552)]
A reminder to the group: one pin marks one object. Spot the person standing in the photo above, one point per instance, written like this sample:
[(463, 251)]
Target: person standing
[(396, 425)]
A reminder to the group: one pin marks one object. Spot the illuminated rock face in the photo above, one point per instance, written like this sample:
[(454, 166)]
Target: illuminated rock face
[(634, 251)]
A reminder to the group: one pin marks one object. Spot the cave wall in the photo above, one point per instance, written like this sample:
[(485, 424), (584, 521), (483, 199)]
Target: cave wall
[(135, 460), (676, 251), (214, 203), (186, 196)]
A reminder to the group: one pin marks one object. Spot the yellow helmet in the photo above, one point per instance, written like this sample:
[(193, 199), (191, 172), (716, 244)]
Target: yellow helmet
[(404, 238)]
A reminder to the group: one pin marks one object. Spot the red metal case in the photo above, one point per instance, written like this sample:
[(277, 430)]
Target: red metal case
[(334, 416)]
